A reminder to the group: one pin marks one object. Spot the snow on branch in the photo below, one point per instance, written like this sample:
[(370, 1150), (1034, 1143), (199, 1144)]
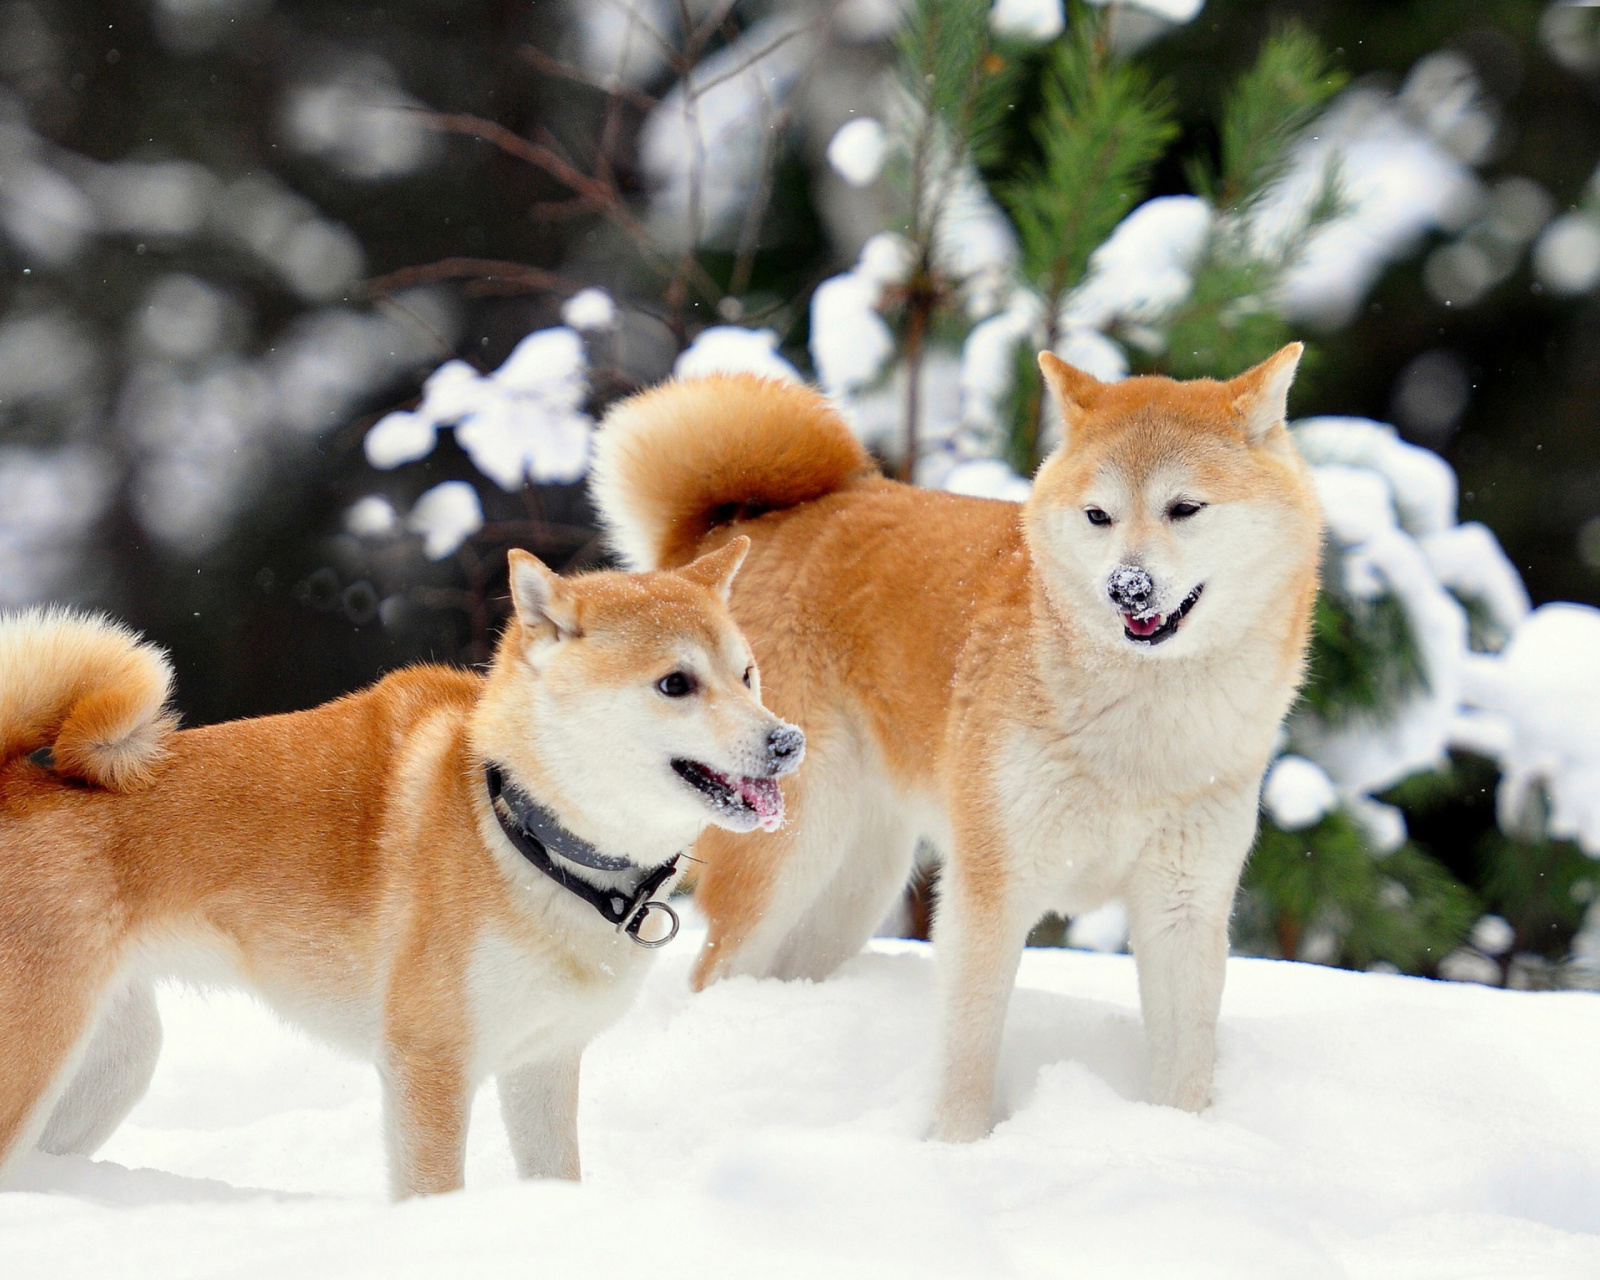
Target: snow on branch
[(523, 422), (1536, 707)]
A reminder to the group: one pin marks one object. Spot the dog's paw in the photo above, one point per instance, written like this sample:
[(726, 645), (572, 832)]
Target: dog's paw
[(958, 1125), (1192, 1096)]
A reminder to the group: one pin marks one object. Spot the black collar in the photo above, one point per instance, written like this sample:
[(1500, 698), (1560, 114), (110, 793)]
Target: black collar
[(535, 831)]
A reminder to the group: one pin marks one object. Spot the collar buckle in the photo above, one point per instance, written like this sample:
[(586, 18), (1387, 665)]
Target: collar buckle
[(639, 912)]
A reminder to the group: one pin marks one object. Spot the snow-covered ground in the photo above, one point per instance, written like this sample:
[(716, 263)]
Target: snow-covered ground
[(1365, 1126)]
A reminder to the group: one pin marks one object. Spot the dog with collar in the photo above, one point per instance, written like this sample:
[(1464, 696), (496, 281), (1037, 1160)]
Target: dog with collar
[(1073, 699), (457, 876)]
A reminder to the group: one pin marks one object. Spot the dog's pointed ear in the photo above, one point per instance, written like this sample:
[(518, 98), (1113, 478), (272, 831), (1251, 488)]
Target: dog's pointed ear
[(1074, 390), (1261, 395), (542, 599), (716, 568)]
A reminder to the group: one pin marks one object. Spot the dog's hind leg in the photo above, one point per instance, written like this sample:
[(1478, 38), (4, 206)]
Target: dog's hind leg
[(61, 934), (47, 1002), (539, 1104), (848, 909), (113, 1075)]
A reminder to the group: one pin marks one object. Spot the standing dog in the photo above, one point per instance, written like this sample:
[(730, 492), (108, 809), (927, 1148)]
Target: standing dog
[(447, 873), (1074, 699)]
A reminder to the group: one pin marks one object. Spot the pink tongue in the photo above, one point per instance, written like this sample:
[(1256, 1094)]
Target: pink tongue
[(762, 795), (1143, 626)]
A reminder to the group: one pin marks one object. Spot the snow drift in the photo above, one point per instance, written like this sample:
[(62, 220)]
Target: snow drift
[(1364, 1125)]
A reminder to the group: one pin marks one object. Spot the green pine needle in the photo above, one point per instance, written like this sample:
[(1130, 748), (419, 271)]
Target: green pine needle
[(1292, 79), (1404, 908), (1364, 659), (962, 89), (1101, 127), (1230, 320)]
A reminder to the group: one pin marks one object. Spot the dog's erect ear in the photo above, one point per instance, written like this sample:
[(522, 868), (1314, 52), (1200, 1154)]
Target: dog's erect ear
[(1075, 391), (716, 568), (1261, 395), (541, 598)]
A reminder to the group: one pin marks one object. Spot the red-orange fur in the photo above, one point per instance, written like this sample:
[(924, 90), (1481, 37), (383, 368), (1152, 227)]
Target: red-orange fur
[(90, 691), (701, 467), (335, 859), (958, 676), (258, 836)]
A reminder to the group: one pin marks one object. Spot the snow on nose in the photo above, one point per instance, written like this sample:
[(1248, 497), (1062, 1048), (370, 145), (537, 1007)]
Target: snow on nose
[(1131, 589), (785, 747)]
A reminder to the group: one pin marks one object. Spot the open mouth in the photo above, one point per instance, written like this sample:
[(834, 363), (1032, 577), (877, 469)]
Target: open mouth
[(1153, 628), (743, 802)]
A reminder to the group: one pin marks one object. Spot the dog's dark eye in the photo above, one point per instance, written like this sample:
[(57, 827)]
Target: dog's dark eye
[(680, 684), (747, 672), (1183, 510), (1097, 516)]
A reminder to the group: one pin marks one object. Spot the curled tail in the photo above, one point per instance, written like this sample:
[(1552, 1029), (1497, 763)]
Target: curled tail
[(87, 689), (676, 461)]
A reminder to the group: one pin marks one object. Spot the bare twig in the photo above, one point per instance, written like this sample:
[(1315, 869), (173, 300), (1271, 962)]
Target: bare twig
[(613, 84), (610, 130), (498, 287), (693, 216), (695, 212), (560, 210), (440, 345), (700, 36), (470, 268), (608, 202), (637, 19), (608, 140), (776, 126), (766, 50), (756, 211), (536, 154)]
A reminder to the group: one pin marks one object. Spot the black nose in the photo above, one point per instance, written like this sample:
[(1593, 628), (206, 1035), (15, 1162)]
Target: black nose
[(1130, 588), (785, 746)]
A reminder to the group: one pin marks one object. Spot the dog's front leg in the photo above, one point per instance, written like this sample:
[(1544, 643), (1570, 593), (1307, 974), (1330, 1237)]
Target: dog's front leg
[(539, 1104), (1178, 907), (426, 1103), (978, 935)]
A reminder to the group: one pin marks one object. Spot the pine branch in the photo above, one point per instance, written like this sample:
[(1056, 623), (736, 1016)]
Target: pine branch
[(1101, 128), (1405, 909), (1230, 319), (959, 87), (1292, 79), (1364, 659)]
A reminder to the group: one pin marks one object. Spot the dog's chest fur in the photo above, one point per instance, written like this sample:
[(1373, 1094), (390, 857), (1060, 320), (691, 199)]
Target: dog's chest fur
[(531, 1002), (1118, 756)]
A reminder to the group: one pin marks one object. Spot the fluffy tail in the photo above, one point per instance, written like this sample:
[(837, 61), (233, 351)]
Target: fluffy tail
[(674, 462), (89, 690)]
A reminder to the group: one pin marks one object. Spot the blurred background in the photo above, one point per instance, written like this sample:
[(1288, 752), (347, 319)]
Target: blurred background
[(238, 237)]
